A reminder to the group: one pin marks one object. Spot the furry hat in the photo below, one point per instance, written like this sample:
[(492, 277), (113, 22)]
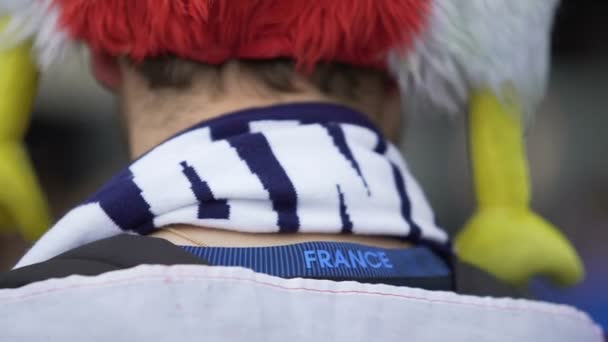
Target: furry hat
[(438, 50)]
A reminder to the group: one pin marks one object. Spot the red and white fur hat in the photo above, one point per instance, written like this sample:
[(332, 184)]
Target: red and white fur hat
[(438, 50)]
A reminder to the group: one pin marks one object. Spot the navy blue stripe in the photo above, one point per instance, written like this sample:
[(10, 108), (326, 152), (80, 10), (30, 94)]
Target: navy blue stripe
[(264, 262), (240, 259), (225, 255), (272, 260), (280, 262), (228, 257), (347, 224), (406, 207), (255, 150), (213, 253), (121, 199), (290, 261), (381, 144), (248, 259), (218, 257), (297, 260), (209, 207), (337, 135), (237, 123), (235, 128)]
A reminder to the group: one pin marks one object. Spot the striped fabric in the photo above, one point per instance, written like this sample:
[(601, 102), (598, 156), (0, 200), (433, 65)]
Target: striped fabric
[(300, 168)]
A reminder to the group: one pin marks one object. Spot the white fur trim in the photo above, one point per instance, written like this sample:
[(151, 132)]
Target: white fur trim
[(37, 20), (478, 43)]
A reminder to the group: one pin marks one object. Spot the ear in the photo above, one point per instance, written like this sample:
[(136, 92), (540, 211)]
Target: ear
[(106, 70)]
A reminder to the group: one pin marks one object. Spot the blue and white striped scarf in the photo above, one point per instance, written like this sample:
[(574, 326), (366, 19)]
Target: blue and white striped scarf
[(301, 168)]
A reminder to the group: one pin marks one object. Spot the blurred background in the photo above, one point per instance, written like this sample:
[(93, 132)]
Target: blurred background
[(76, 144)]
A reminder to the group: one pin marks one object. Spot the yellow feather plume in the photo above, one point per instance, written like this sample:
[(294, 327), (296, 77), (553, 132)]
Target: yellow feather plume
[(22, 205), (505, 237)]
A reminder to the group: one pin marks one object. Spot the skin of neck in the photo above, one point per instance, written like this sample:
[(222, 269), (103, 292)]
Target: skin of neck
[(152, 116)]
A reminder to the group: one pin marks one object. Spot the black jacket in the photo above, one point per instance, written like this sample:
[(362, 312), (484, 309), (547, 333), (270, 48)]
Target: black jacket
[(127, 251)]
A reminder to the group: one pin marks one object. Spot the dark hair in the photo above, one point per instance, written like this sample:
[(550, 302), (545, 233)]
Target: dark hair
[(334, 79)]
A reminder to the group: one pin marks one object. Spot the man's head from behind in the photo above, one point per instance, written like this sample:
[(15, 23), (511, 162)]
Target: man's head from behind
[(178, 62), (167, 94)]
